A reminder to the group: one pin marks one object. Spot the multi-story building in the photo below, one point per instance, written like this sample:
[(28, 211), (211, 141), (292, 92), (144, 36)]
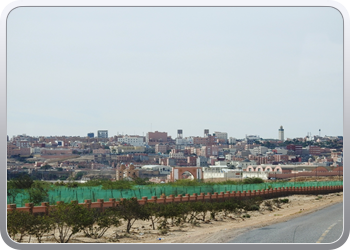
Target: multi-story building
[(261, 150), (102, 134), (132, 140), (161, 148), (184, 141), (281, 133), (250, 139), (221, 136), (314, 150), (296, 148), (153, 138)]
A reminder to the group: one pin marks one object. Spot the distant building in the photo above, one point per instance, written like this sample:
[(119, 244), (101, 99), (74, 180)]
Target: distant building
[(91, 135), (281, 134), (102, 133), (132, 140), (153, 138), (250, 139)]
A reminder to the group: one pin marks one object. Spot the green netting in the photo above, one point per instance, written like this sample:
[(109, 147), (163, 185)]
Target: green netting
[(93, 193)]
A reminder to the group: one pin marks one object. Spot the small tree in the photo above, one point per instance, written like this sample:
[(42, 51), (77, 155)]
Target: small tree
[(130, 211), (18, 224), (40, 225), (38, 192), (68, 220), (152, 213), (100, 223)]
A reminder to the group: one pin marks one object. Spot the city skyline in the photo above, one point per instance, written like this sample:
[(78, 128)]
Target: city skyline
[(235, 70)]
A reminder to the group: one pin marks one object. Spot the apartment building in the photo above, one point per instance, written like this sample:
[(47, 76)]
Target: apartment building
[(153, 138)]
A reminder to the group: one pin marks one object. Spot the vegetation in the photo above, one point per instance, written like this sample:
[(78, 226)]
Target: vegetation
[(100, 222), (66, 220), (69, 219), (130, 211)]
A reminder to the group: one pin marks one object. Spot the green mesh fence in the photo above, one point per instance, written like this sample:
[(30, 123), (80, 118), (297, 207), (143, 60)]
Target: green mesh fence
[(93, 193)]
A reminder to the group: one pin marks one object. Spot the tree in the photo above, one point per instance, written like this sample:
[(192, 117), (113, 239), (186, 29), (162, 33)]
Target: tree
[(40, 225), (18, 224), (22, 182), (38, 192), (130, 211), (46, 167), (100, 222), (68, 220), (152, 213)]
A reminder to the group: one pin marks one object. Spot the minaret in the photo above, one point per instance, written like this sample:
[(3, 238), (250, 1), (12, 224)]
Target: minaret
[(281, 134)]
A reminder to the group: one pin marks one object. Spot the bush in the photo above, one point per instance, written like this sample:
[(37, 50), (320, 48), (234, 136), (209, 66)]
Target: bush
[(286, 200), (268, 205), (253, 180)]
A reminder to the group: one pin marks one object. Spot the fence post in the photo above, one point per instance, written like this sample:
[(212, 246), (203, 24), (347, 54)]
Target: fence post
[(144, 200), (113, 201), (88, 203), (101, 201), (11, 207), (30, 206), (46, 205)]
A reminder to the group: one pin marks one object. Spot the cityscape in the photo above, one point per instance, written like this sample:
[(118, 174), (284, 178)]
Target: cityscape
[(155, 155)]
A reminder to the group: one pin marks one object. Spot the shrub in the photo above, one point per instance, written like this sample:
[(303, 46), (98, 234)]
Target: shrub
[(268, 205), (285, 200)]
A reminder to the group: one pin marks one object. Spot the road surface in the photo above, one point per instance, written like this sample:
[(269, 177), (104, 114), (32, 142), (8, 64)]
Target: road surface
[(322, 226)]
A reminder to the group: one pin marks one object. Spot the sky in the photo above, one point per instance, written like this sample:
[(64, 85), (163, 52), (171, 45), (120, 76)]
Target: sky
[(132, 70)]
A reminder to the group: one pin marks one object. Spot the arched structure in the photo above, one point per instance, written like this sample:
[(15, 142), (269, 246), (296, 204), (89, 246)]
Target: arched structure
[(176, 173)]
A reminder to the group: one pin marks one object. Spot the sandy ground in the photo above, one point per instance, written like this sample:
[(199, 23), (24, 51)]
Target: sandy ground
[(212, 231)]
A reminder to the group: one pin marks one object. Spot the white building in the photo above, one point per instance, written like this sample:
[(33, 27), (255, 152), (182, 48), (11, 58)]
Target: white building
[(161, 168), (184, 141), (261, 150), (251, 138), (221, 135), (232, 140), (281, 134), (136, 141)]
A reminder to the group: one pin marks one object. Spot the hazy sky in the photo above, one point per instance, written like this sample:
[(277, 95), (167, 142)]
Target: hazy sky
[(132, 70)]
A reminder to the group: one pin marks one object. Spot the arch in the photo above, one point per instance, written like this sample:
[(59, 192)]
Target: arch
[(320, 169), (259, 168), (250, 169), (268, 169), (185, 173), (338, 169), (177, 172), (278, 169)]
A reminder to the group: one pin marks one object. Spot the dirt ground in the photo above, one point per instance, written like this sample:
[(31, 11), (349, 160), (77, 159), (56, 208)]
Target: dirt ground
[(211, 231)]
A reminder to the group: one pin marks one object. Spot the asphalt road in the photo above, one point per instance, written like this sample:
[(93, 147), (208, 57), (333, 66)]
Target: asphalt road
[(322, 226)]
